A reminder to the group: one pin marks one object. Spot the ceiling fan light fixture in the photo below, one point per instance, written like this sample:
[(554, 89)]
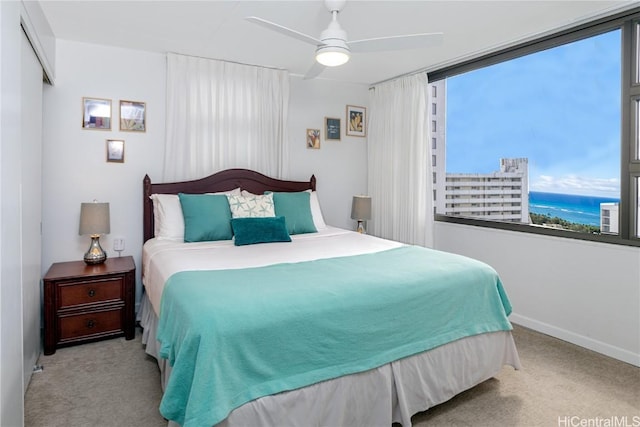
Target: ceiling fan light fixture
[(332, 48), (332, 56)]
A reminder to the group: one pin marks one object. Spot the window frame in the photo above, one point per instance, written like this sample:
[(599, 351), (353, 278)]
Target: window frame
[(628, 23)]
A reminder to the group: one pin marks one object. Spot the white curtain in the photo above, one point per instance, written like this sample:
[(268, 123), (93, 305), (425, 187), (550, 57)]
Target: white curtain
[(224, 115), (399, 161)]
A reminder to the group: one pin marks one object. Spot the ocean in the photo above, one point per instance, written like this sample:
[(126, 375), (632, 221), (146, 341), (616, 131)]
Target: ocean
[(570, 207)]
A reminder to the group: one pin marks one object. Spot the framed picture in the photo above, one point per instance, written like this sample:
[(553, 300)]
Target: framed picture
[(356, 121), (331, 129), (96, 113), (133, 116), (313, 138), (115, 150)]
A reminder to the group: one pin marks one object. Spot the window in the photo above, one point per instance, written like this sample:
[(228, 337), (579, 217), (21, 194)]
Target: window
[(632, 50), (636, 213), (552, 128)]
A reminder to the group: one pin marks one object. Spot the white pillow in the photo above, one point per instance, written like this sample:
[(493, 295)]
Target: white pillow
[(316, 212), (167, 215), (253, 206)]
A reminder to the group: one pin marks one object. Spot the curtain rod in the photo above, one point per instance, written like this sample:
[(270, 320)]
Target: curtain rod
[(230, 62)]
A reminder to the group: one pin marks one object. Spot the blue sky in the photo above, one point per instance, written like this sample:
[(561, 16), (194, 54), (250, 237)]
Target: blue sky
[(560, 108)]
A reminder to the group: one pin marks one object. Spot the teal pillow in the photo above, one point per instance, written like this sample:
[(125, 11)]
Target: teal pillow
[(296, 210), (207, 217), (252, 230)]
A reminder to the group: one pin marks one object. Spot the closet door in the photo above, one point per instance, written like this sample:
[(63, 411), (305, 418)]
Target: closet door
[(30, 204)]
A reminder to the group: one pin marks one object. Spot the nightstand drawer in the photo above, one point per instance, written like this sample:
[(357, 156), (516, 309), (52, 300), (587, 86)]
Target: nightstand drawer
[(89, 292), (90, 325), (84, 303)]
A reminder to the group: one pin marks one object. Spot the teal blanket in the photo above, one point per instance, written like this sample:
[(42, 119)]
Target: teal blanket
[(232, 336)]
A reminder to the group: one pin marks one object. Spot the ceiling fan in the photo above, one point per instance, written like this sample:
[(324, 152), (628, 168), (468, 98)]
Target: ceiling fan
[(333, 48)]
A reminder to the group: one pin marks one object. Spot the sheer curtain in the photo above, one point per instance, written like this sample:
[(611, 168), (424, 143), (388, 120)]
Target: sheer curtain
[(399, 165), (223, 115)]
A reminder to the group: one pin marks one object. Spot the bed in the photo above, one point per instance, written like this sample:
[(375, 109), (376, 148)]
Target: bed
[(312, 324)]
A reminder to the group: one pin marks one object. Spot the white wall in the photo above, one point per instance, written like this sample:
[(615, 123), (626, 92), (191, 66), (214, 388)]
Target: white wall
[(11, 365), (31, 205), (74, 159), (583, 292), (75, 170), (339, 166), (40, 35)]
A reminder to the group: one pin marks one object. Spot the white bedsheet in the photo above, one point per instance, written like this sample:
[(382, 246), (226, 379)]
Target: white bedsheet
[(162, 258)]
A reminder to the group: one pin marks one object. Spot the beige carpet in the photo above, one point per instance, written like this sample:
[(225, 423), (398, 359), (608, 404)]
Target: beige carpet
[(114, 383)]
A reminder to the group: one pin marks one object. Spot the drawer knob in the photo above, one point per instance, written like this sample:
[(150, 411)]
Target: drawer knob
[(92, 292), (91, 323)]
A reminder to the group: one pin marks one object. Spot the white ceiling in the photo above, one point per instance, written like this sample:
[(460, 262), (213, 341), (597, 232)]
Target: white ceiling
[(217, 29)]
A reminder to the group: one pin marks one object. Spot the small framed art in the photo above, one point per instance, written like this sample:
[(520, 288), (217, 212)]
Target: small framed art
[(356, 121), (133, 116), (115, 150), (96, 113), (332, 129), (313, 138)]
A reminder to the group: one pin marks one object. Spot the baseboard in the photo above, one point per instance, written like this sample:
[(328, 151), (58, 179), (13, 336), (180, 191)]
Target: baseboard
[(586, 342)]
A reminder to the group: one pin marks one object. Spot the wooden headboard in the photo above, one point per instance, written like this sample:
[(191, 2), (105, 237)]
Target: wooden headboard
[(225, 180)]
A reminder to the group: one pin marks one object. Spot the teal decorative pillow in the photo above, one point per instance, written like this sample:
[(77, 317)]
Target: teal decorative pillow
[(252, 230), (296, 210), (207, 217)]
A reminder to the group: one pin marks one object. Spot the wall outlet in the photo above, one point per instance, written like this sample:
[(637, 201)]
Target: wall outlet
[(118, 244)]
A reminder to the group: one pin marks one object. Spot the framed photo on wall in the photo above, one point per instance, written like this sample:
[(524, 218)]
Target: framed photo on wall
[(356, 121), (96, 113), (115, 150), (313, 138), (332, 129), (133, 116)]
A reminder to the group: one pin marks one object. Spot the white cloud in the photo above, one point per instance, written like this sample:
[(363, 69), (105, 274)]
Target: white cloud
[(573, 184)]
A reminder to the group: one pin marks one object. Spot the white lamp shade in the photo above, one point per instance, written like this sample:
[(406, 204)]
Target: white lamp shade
[(361, 208), (332, 56), (94, 218)]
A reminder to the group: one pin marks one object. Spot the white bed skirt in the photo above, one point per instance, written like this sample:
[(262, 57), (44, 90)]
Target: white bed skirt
[(378, 397)]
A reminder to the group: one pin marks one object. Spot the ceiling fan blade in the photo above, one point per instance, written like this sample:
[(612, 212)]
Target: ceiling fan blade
[(284, 30), (409, 41), (314, 71)]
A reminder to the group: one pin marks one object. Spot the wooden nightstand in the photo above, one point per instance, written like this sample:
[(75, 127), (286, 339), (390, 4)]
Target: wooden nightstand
[(85, 303)]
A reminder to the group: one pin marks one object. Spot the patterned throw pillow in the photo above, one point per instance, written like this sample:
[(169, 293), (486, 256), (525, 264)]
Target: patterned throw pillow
[(253, 206)]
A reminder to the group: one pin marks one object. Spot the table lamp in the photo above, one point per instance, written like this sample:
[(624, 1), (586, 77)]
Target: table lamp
[(361, 211), (94, 220)]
